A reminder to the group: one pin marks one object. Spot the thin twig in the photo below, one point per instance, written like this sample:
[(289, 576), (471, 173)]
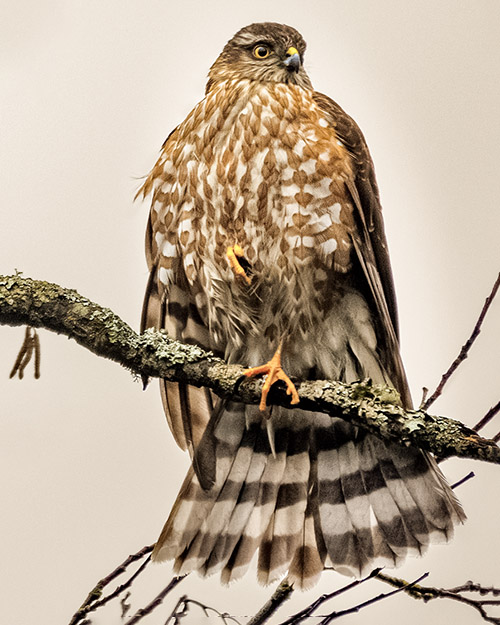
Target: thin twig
[(30, 347), (20, 356), (464, 352), (468, 477), (38, 352), (471, 586), (492, 412), (157, 601), (175, 614), (335, 615), (125, 605), (96, 593), (429, 593), (279, 596), (306, 612), (119, 589), (185, 600)]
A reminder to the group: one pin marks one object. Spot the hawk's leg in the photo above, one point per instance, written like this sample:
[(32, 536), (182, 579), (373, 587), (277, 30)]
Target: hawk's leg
[(233, 254), (274, 373)]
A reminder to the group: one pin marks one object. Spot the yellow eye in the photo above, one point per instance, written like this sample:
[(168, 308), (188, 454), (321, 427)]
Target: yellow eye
[(261, 52)]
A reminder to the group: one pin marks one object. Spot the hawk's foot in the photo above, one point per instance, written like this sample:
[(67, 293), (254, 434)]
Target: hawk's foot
[(234, 252), (274, 373)]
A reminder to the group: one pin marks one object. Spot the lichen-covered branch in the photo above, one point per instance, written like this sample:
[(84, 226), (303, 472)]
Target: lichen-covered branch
[(44, 305)]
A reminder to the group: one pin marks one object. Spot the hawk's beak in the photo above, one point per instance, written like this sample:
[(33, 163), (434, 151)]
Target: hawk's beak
[(292, 60)]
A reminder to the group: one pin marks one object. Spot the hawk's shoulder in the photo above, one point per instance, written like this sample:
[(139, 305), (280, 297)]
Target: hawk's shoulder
[(351, 136)]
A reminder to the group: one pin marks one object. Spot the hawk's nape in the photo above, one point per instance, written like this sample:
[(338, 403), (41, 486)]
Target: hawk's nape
[(266, 245)]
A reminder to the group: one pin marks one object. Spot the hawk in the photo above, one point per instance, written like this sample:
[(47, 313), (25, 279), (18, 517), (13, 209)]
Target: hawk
[(266, 245)]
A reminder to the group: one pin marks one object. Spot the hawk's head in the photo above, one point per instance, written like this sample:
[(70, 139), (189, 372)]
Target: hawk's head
[(266, 52)]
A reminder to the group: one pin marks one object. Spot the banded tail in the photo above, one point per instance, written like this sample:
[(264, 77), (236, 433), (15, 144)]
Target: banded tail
[(329, 495)]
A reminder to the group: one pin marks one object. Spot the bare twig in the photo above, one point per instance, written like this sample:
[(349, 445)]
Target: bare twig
[(124, 604), (427, 593), (279, 596), (306, 613), (29, 348), (492, 412), (119, 589), (468, 477), (464, 352), (95, 594), (23, 356), (157, 601), (373, 407), (335, 615), (182, 608), (471, 586)]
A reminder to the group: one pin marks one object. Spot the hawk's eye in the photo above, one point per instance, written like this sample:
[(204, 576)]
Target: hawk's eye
[(261, 52)]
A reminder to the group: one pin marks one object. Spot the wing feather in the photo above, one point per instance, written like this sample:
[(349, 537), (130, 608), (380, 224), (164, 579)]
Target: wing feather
[(369, 241), (187, 408)]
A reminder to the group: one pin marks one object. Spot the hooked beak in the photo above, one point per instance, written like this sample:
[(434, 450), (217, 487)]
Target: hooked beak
[(292, 60)]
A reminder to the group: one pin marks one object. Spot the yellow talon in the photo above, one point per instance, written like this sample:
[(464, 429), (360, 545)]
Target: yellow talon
[(232, 254), (274, 373)]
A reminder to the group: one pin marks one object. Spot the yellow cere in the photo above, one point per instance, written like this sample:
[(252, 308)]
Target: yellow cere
[(291, 51)]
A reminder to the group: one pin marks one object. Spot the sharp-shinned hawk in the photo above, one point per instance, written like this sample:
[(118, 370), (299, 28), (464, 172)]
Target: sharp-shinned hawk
[(266, 245)]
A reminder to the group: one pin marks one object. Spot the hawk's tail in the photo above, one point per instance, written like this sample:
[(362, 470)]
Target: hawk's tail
[(318, 495)]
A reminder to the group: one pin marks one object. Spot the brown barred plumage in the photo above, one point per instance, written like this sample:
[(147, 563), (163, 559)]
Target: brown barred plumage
[(267, 164)]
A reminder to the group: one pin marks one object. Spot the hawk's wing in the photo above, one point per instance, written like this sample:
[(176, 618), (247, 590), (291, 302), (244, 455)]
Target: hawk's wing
[(369, 241), (187, 408)]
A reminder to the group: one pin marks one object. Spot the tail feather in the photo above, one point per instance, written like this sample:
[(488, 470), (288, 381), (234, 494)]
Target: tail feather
[(357, 505), (309, 559), (194, 504), (186, 516), (374, 550), (284, 529), (395, 464), (394, 540), (337, 529), (243, 507), (260, 516), (442, 511), (326, 493), (216, 521)]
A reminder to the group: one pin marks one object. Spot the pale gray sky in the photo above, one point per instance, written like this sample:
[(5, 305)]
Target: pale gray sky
[(88, 468)]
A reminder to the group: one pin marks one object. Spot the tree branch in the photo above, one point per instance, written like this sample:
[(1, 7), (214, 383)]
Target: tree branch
[(95, 600), (279, 596), (142, 612), (374, 407), (427, 593), (464, 352)]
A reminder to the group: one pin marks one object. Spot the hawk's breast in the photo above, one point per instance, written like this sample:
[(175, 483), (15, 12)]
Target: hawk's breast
[(256, 165)]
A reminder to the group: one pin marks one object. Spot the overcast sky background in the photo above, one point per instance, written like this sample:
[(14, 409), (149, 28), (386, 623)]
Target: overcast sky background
[(89, 91)]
